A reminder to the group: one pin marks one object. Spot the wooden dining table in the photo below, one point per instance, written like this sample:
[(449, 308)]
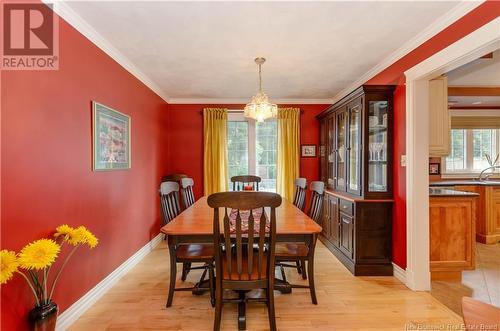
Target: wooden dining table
[(195, 225)]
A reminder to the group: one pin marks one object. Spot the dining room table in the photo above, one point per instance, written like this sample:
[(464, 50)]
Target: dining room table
[(195, 225)]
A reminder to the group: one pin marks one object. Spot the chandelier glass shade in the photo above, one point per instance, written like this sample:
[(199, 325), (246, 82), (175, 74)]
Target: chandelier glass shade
[(259, 108)]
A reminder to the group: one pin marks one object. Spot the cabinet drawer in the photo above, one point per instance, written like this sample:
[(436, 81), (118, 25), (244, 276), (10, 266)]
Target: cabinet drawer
[(347, 207)]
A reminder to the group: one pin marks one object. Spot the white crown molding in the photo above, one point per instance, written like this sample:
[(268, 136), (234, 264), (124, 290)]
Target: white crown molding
[(440, 24), (69, 15), (242, 101), (77, 309)]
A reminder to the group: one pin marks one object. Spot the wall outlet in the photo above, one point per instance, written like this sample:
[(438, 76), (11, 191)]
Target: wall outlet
[(403, 160)]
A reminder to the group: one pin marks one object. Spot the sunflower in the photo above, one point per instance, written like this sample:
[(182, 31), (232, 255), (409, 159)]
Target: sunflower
[(39, 254), (8, 265)]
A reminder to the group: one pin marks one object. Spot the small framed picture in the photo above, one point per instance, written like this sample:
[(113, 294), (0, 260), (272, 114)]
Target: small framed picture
[(308, 150), (434, 169), (110, 138)]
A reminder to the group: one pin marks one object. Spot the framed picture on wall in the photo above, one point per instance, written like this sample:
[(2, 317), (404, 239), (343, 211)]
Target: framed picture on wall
[(110, 138), (434, 169), (308, 150)]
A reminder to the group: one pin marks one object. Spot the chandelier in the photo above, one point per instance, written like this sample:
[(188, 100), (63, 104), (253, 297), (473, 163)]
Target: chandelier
[(260, 108)]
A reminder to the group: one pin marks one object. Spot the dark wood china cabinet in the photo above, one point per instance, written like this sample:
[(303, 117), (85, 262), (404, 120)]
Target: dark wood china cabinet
[(356, 166)]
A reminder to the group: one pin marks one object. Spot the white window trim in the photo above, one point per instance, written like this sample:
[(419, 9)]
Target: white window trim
[(469, 160)]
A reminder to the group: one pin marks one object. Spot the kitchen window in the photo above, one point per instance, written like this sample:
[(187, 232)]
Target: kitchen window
[(252, 149), (469, 150)]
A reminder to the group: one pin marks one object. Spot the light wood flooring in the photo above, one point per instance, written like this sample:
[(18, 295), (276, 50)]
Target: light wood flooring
[(482, 284), (345, 302)]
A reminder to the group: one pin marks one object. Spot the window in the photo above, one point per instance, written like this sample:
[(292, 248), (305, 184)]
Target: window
[(252, 149), (469, 150)]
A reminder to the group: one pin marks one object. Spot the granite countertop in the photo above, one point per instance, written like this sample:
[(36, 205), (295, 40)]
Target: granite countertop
[(440, 192), (491, 182)]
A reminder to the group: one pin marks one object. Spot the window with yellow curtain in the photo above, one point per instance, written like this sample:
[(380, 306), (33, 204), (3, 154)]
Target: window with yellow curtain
[(215, 150), (288, 163)]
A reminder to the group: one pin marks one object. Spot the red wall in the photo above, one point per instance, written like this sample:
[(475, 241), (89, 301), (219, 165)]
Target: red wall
[(394, 74), (186, 140), (46, 167)]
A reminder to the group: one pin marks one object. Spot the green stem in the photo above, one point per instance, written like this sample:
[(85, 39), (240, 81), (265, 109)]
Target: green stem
[(31, 287), (36, 283), (60, 270), (45, 286)]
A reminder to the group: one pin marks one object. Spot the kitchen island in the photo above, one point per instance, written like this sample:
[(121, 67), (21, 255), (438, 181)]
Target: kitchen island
[(452, 218), (487, 206)]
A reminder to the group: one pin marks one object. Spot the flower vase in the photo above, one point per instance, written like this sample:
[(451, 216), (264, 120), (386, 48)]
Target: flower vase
[(44, 317)]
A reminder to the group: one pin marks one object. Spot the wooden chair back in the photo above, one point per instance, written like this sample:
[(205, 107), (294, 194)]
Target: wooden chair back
[(316, 207), (479, 315), (169, 198), (239, 182), (299, 200), (173, 178), (187, 191), (238, 247)]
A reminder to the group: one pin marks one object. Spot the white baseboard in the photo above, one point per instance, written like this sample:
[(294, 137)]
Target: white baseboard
[(399, 273), (70, 315)]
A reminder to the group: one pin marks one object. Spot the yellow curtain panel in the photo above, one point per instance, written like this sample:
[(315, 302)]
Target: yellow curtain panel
[(288, 151), (215, 150)]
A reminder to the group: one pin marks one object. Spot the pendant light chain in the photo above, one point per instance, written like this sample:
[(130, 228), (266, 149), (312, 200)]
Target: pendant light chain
[(260, 77)]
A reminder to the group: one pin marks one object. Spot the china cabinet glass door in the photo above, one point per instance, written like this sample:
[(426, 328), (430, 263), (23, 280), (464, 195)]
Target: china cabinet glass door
[(340, 174), (353, 152), (377, 146), (331, 152), (322, 151)]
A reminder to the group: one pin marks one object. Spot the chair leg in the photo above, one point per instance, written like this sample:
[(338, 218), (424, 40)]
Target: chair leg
[(299, 268), (211, 284), (173, 275), (185, 270), (303, 264), (270, 309), (283, 275), (218, 306)]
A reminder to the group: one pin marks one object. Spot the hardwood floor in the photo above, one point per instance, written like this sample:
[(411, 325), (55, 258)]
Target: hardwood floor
[(482, 284), (345, 302)]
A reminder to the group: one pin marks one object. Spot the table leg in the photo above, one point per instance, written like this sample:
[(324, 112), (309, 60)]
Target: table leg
[(173, 274), (242, 318), (310, 269)]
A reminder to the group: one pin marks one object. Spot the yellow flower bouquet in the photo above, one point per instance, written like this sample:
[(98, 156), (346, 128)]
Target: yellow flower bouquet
[(34, 264)]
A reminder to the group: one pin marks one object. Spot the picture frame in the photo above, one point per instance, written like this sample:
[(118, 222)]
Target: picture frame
[(308, 150), (434, 168), (111, 132)]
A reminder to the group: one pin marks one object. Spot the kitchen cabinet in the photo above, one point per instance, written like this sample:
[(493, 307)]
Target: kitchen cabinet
[(439, 118), (452, 231), (487, 211), (356, 135)]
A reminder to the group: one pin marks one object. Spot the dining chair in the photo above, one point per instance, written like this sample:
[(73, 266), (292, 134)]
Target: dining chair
[(187, 191), (246, 183), (244, 266), (287, 253), (185, 253), (299, 198)]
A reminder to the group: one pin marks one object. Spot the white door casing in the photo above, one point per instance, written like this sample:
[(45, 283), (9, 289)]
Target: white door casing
[(476, 44)]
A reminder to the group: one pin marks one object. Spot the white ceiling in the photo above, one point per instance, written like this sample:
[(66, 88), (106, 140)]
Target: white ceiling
[(204, 50)]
